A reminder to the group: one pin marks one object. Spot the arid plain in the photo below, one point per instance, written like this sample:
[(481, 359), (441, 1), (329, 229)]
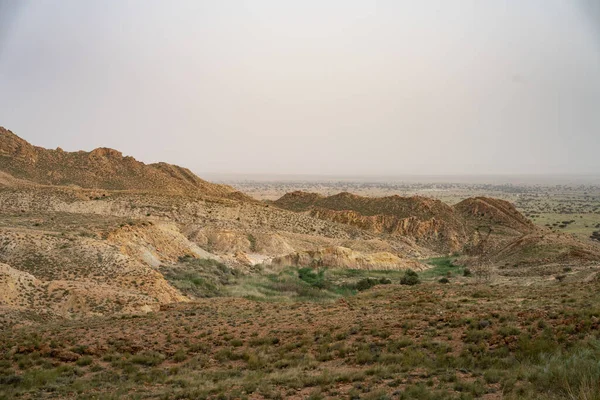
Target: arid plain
[(125, 280)]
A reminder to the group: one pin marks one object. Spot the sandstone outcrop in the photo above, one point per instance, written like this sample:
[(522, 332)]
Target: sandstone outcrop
[(342, 257)]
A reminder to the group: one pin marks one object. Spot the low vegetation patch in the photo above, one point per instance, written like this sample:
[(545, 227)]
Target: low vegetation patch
[(407, 342), (443, 267), (200, 277), (410, 278)]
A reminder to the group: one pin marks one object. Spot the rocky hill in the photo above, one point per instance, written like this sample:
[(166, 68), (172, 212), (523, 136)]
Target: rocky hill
[(101, 168), (97, 233), (480, 211), (429, 222), (398, 206), (479, 227)]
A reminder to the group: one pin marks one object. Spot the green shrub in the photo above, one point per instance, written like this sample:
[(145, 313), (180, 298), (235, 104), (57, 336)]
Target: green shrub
[(84, 361), (200, 277), (180, 356), (148, 358), (441, 266), (365, 284), (410, 278), (531, 349), (315, 279)]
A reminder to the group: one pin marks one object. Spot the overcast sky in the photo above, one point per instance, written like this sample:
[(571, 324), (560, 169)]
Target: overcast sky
[(310, 87)]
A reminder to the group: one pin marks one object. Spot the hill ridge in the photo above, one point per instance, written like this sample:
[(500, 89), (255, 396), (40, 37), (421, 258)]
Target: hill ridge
[(426, 220), (101, 168)]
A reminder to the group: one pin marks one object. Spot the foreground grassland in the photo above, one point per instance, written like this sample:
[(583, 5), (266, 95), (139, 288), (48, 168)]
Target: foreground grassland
[(210, 278), (460, 340)]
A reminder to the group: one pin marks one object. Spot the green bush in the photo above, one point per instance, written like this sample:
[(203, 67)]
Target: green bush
[(84, 361), (147, 358), (365, 284), (368, 283), (410, 278), (200, 277), (440, 267), (315, 279)]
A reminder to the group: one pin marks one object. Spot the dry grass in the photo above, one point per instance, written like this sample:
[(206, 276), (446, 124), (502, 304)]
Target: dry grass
[(427, 341)]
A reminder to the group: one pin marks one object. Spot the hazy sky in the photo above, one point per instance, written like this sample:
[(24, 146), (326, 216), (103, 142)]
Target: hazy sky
[(312, 86)]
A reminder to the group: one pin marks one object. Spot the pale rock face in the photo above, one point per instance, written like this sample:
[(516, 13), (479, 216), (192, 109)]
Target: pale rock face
[(233, 241), (76, 276), (342, 257), (433, 231), (156, 243), (16, 286)]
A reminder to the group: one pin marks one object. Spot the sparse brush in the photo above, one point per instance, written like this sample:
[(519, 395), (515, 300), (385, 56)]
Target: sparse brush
[(410, 278)]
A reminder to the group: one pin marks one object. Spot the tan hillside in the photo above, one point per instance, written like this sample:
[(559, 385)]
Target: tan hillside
[(398, 206), (494, 212), (99, 234), (343, 257), (480, 227), (99, 169), (16, 286), (546, 248), (190, 278), (430, 223), (80, 274)]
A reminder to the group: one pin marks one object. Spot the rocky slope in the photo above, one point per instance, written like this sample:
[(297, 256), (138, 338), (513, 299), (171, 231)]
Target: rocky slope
[(343, 257), (480, 227), (101, 168), (542, 248), (78, 275), (430, 223), (479, 211), (96, 252), (401, 207), (93, 233)]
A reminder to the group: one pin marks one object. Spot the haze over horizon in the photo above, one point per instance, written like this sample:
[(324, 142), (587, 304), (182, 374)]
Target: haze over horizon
[(310, 88)]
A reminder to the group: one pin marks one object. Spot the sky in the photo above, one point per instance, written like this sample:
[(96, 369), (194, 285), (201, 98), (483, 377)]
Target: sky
[(320, 87)]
